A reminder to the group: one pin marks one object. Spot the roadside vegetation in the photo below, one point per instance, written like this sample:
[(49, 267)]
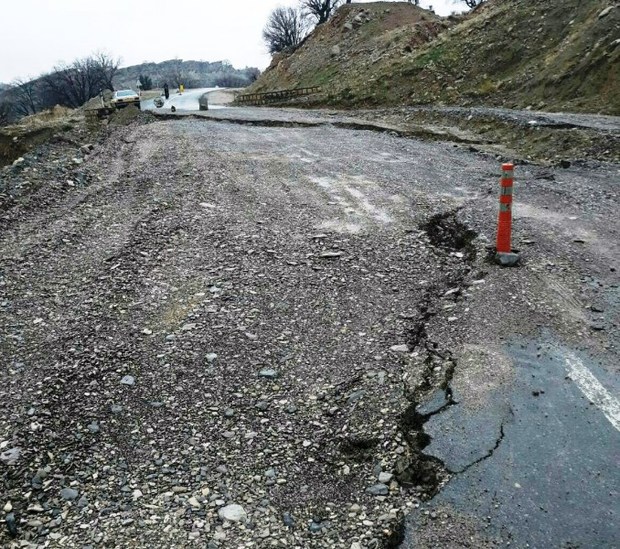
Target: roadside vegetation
[(73, 84)]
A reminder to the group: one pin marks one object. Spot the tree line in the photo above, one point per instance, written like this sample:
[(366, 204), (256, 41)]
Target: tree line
[(68, 84), (287, 27), (73, 84)]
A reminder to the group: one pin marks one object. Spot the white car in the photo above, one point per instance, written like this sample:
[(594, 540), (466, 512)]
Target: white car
[(122, 98)]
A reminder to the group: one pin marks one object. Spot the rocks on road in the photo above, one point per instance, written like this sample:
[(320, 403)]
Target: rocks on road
[(247, 372)]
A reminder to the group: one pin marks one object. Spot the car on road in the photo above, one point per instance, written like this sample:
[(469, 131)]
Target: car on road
[(122, 98)]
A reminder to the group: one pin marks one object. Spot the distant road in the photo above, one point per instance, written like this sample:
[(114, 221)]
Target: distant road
[(186, 101)]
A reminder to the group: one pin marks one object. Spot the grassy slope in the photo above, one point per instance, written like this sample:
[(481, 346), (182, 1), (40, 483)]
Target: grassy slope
[(553, 54)]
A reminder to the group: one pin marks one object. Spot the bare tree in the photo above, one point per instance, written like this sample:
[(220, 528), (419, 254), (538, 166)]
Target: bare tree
[(285, 29), (105, 67), (177, 73), (6, 112), (25, 94), (74, 84), (321, 10)]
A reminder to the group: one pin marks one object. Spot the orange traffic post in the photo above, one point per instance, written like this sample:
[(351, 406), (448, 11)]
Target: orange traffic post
[(505, 255)]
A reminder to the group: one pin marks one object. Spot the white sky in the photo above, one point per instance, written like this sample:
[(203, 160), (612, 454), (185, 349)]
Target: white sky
[(37, 34)]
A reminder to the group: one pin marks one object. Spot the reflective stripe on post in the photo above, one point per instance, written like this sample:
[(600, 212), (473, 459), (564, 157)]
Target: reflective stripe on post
[(504, 223)]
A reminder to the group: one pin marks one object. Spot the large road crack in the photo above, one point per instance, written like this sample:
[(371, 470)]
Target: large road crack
[(433, 366)]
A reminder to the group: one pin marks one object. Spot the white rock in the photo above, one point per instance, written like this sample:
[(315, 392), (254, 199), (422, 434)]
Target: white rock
[(9, 457), (385, 477), (605, 12), (232, 513), (404, 348)]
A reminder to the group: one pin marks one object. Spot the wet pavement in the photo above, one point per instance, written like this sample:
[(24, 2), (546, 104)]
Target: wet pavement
[(535, 461)]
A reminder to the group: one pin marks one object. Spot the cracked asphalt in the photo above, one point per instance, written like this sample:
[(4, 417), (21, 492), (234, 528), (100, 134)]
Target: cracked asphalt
[(263, 335)]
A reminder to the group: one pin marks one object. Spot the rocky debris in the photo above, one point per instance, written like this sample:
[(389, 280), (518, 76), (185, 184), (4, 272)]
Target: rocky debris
[(306, 454)]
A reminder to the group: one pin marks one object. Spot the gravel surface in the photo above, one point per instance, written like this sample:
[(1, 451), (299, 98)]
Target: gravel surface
[(221, 335)]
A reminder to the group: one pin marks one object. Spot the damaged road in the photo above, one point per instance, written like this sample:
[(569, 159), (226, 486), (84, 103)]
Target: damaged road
[(236, 335)]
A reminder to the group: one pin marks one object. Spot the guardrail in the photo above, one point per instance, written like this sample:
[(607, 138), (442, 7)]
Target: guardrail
[(271, 97)]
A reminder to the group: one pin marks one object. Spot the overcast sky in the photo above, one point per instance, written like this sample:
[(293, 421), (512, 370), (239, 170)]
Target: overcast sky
[(37, 34)]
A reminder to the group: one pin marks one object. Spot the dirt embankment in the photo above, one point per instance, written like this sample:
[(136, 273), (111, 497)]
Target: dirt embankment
[(548, 54)]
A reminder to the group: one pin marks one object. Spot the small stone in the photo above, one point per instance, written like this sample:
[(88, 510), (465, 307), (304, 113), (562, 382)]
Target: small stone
[(10, 456), (229, 412), (384, 478), (210, 357), (404, 348), (268, 373), (147, 331), (93, 427), (8, 507), (128, 380), (82, 502), (68, 494), (605, 12), (232, 513), (331, 255), (194, 502), (11, 524), (315, 527), (378, 490), (288, 520), (262, 405), (222, 469)]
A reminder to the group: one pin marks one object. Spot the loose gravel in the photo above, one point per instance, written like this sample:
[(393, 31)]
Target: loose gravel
[(221, 335)]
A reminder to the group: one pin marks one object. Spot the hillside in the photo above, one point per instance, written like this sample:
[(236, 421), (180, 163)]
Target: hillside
[(551, 54), (192, 73)]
